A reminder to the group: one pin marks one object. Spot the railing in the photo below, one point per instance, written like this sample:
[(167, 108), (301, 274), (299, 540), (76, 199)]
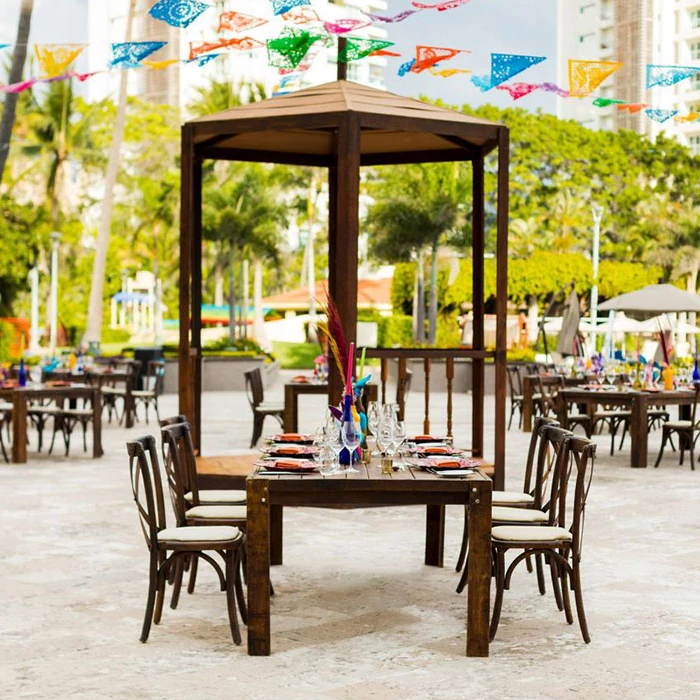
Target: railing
[(429, 357)]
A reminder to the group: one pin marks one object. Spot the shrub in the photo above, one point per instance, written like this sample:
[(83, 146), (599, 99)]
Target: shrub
[(7, 333), (395, 331)]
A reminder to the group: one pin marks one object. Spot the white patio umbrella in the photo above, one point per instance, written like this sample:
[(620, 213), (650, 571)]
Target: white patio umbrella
[(664, 323), (621, 323), (653, 300)]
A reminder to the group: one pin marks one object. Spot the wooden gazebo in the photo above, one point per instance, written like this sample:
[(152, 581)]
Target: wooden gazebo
[(343, 126)]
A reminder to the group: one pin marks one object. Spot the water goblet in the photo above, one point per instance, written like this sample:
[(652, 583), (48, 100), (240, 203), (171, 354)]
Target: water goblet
[(351, 441), (399, 437)]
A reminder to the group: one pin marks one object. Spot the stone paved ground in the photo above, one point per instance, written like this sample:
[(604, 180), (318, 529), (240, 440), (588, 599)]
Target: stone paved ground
[(356, 614)]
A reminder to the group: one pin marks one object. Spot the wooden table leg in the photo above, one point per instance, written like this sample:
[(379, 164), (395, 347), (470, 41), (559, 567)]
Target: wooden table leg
[(258, 534), (527, 405), (276, 535), (290, 409), (638, 431), (97, 423), (479, 576), (434, 535), (129, 407), (19, 427)]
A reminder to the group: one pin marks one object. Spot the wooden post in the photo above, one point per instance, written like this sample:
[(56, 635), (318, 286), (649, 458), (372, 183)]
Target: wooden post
[(479, 578), (196, 276), (426, 417), (449, 375), (478, 305), (258, 535), (342, 66), (501, 307), (343, 230), (187, 167)]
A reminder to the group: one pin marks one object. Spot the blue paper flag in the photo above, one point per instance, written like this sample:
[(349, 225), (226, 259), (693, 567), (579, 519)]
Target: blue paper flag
[(503, 67), (279, 7), (668, 75), (129, 53), (203, 60), (178, 13), (3, 46), (660, 115), (405, 68)]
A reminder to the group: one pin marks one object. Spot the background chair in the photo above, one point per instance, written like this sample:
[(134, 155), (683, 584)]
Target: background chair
[(261, 409), (153, 387), (182, 542), (686, 430), (560, 540)]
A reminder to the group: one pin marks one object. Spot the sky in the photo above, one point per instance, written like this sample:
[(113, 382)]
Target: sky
[(480, 26)]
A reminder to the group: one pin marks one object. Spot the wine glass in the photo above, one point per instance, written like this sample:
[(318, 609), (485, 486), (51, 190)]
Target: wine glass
[(399, 437), (351, 441), (372, 418), (384, 437)]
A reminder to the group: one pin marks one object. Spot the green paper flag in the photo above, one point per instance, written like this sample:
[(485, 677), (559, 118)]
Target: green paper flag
[(606, 102), (288, 49), (359, 48)]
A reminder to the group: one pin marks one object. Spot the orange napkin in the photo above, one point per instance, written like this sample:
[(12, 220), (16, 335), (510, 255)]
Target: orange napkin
[(289, 437), (289, 450), (447, 463), (437, 450), (300, 379), (425, 438), (286, 464)]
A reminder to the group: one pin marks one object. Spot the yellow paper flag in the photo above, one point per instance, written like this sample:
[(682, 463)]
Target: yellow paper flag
[(159, 65), (448, 72), (690, 117), (586, 76), (53, 59)]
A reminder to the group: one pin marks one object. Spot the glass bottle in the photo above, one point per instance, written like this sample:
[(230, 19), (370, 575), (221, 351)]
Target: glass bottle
[(22, 377)]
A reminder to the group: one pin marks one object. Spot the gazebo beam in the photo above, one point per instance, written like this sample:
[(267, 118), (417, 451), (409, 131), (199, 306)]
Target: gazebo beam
[(440, 127), (478, 383), (343, 230), (501, 306), (205, 130), (218, 153), (432, 156)]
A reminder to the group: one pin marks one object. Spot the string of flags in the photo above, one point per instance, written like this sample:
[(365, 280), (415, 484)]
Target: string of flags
[(305, 34)]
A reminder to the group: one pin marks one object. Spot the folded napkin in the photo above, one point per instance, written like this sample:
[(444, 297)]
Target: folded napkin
[(287, 464), (437, 450), (447, 463), (300, 379), (289, 437), (289, 450)]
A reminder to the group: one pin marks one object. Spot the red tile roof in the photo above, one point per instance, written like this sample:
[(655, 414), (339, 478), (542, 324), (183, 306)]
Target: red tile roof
[(371, 294)]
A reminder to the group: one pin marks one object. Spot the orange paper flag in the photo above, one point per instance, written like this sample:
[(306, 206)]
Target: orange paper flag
[(428, 56), (197, 48), (53, 59), (586, 76)]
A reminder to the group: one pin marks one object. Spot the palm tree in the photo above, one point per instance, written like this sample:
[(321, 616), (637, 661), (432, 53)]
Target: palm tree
[(19, 56), (416, 213), (218, 96), (244, 217), (93, 333), (59, 130)]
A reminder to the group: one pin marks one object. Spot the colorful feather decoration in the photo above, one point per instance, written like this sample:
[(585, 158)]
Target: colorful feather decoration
[(333, 330), (664, 344)]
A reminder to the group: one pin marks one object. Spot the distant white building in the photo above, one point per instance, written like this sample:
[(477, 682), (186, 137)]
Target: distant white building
[(176, 85), (636, 33)]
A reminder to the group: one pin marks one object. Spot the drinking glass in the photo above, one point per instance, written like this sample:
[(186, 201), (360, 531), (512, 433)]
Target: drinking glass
[(384, 437), (372, 418), (399, 438), (351, 441), (336, 444)]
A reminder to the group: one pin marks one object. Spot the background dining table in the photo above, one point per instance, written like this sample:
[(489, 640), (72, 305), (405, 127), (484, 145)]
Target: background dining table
[(20, 397), (638, 402)]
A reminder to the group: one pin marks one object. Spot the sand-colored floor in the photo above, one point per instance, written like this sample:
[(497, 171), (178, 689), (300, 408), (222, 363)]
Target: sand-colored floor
[(356, 614)]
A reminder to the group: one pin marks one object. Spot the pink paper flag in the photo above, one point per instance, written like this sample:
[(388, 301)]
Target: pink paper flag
[(342, 26), (442, 6), (19, 87), (518, 90), (396, 18)]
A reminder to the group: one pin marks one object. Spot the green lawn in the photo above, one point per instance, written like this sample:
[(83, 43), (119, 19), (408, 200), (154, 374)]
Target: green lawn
[(295, 355)]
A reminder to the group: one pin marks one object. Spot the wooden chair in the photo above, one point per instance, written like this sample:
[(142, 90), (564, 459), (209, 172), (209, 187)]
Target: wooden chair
[(560, 541), (573, 419), (67, 419), (530, 497), (180, 470), (113, 391), (5, 417), (515, 386), (153, 387), (192, 542), (687, 431), (615, 418), (261, 409)]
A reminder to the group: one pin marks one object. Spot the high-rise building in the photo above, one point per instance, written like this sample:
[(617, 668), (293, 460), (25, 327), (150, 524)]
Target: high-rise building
[(177, 84), (635, 33)]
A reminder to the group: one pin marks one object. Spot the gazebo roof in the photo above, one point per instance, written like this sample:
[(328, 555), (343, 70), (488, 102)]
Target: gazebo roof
[(298, 128)]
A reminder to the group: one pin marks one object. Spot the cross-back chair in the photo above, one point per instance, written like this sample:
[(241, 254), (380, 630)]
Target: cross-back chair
[(515, 387), (168, 546), (529, 497), (560, 541), (153, 387), (261, 408), (686, 430)]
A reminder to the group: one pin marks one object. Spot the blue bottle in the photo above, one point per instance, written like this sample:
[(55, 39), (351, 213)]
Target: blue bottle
[(346, 423), (696, 371), (22, 373)]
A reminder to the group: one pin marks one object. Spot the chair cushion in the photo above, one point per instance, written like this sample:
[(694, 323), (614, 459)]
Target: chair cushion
[(143, 394), (530, 533), (217, 512), (508, 498), (270, 406), (612, 414), (218, 496), (678, 424), (205, 533), (518, 515), (4, 406), (117, 391)]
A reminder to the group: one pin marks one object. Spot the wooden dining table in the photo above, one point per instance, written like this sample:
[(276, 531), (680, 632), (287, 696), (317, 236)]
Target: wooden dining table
[(638, 402), (268, 494), (20, 397), (292, 391), (99, 377)]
